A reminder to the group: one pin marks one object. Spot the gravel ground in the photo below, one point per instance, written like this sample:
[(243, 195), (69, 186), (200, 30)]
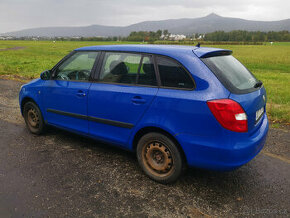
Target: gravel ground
[(60, 174)]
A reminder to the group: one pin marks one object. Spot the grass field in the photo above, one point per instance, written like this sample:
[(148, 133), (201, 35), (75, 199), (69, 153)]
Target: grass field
[(269, 63)]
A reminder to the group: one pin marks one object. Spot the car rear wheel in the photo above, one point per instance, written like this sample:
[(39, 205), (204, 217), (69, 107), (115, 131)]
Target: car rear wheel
[(33, 118), (160, 157)]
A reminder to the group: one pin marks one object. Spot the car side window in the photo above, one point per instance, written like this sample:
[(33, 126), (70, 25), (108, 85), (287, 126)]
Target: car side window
[(77, 67), (172, 74), (127, 68)]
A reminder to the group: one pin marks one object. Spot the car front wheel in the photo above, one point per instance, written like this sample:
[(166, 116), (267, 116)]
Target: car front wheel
[(160, 157), (33, 118)]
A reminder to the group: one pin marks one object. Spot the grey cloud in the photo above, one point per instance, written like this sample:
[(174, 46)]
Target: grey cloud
[(21, 14)]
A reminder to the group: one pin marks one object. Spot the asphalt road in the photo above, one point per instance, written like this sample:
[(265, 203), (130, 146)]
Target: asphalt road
[(61, 174)]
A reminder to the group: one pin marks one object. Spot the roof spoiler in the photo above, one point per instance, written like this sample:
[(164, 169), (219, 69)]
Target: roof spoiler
[(206, 53), (216, 53)]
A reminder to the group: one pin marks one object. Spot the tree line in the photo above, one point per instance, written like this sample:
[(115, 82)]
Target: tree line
[(147, 36), (163, 35), (140, 36), (220, 36), (248, 36)]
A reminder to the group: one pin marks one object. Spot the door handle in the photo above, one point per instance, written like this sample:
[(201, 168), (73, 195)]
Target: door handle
[(81, 93), (138, 100)]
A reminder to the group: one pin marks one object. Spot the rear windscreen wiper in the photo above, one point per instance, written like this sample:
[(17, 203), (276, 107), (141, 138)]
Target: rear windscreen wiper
[(258, 84)]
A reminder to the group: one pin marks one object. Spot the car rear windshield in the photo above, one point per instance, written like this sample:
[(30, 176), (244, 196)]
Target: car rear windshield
[(234, 75)]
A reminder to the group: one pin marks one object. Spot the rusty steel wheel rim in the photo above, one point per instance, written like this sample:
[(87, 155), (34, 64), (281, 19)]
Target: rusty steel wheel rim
[(33, 118), (157, 158)]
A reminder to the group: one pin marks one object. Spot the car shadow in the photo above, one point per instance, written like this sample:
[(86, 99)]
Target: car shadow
[(118, 169), (208, 178)]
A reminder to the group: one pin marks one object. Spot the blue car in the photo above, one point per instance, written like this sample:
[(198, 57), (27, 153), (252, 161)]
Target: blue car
[(175, 106)]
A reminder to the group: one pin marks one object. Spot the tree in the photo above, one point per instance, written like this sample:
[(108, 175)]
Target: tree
[(166, 33), (159, 33)]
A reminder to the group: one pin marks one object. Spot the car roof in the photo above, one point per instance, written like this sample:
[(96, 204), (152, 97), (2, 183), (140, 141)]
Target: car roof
[(170, 50)]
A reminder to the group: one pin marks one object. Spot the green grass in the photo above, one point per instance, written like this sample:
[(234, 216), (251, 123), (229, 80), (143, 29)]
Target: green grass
[(269, 63)]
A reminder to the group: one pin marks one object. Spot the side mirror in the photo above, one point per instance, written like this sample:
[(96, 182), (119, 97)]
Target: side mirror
[(45, 75)]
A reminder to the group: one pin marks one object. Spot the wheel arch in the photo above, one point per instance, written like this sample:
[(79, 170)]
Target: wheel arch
[(24, 101), (141, 132)]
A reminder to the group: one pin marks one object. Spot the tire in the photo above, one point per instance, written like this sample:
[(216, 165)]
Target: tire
[(160, 158), (33, 118)]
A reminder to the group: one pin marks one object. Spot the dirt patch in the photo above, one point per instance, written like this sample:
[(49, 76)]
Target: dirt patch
[(14, 48), (14, 77)]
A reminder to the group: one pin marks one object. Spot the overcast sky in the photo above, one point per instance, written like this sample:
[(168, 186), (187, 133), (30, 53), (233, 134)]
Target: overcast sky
[(22, 14)]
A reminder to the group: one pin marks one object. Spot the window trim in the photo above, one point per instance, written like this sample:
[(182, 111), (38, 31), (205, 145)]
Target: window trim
[(53, 70), (97, 73), (139, 68), (182, 66)]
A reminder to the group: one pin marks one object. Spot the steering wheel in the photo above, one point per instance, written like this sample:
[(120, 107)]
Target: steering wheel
[(63, 77), (83, 74)]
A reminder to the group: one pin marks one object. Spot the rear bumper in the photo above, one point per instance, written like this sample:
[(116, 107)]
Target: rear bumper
[(217, 156)]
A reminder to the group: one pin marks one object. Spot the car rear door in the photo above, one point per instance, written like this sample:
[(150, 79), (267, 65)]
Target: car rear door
[(124, 90), (65, 95), (244, 87)]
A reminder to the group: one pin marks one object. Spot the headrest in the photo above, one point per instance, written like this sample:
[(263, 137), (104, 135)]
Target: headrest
[(148, 69), (118, 68)]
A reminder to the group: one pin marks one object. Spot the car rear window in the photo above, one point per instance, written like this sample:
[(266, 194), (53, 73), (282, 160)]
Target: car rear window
[(234, 75)]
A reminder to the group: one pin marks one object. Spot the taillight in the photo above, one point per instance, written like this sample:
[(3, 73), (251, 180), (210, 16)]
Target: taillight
[(229, 114)]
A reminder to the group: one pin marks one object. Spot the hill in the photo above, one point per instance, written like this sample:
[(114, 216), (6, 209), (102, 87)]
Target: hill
[(207, 24)]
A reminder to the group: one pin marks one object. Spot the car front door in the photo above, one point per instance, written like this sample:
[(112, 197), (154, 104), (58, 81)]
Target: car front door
[(65, 95), (124, 91)]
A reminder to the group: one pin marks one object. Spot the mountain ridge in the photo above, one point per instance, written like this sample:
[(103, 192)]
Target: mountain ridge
[(210, 23)]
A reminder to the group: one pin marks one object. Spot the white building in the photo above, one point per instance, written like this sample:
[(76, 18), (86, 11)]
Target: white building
[(176, 37)]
